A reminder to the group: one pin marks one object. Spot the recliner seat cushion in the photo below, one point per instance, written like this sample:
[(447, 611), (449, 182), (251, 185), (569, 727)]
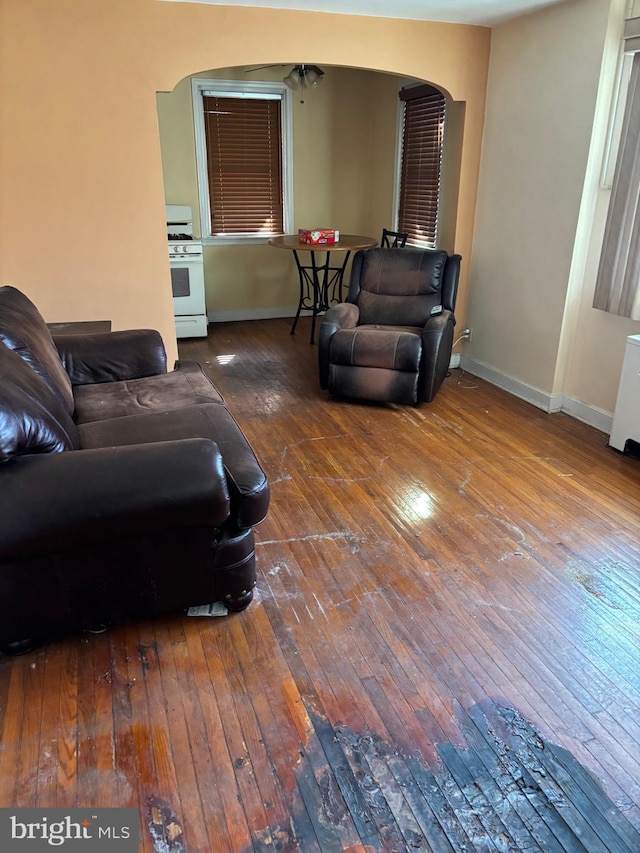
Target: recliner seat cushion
[(33, 418), (247, 482), (23, 329), (381, 347), (183, 387)]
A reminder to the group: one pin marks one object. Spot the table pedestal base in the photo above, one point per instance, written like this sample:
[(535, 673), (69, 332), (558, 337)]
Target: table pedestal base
[(320, 284)]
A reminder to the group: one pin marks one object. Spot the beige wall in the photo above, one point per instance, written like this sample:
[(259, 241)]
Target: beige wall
[(531, 284), (82, 225), (595, 339)]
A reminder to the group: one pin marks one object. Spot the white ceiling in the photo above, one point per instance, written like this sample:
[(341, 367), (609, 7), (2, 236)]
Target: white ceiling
[(482, 12)]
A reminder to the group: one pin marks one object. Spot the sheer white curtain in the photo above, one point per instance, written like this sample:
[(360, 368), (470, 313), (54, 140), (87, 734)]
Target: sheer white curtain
[(618, 281)]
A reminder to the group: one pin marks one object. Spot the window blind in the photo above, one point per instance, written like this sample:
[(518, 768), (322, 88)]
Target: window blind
[(422, 138), (244, 160)]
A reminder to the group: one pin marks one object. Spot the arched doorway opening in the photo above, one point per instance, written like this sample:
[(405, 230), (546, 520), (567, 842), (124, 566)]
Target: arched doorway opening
[(345, 165)]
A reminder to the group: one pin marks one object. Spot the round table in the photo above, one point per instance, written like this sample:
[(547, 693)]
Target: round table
[(319, 277)]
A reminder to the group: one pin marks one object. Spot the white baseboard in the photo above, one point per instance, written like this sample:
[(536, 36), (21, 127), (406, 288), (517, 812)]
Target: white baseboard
[(591, 415), (550, 403), (232, 316)]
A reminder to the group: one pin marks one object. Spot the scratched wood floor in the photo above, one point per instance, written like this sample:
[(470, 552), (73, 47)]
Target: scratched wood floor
[(443, 652)]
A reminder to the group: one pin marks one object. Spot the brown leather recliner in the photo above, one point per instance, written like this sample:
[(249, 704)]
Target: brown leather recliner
[(125, 490), (391, 340)]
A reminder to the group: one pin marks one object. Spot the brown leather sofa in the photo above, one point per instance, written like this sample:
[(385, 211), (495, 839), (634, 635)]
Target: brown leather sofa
[(125, 490)]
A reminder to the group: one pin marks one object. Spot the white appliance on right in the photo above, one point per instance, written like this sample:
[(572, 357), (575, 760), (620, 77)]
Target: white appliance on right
[(626, 418)]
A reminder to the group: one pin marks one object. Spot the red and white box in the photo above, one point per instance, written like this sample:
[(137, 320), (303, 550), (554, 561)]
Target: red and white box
[(318, 236)]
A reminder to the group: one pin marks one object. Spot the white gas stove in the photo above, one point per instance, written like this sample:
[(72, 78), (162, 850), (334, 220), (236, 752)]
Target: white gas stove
[(187, 273)]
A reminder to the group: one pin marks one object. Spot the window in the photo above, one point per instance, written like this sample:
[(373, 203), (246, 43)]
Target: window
[(421, 161), (618, 280), (243, 145)]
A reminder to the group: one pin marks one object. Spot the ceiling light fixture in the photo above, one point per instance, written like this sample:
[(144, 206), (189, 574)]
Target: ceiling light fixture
[(302, 76)]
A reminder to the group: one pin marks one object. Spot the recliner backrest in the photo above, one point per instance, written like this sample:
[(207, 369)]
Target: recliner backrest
[(400, 288)]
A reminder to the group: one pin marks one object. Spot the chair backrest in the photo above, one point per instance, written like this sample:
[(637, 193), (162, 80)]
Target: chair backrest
[(402, 288), (393, 239)]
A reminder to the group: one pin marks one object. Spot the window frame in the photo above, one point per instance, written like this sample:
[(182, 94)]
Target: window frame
[(617, 283), (201, 86), (614, 133)]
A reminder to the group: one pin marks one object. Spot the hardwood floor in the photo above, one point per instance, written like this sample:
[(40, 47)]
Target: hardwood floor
[(443, 651)]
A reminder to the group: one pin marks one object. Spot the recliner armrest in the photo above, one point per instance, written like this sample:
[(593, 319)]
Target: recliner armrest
[(439, 321), (112, 356), (437, 343), (344, 315), (50, 502)]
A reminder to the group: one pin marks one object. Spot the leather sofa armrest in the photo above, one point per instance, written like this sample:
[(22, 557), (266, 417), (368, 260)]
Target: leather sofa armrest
[(54, 501), (112, 356), (437, 343), (344, 315)]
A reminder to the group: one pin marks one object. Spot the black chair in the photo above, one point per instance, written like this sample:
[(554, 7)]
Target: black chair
[(391, 340), (393, 239)]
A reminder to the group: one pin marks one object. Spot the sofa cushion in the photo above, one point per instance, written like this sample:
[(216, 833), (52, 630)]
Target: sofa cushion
[(183, 387), (33, 419), (248, 485), (23, 329)]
